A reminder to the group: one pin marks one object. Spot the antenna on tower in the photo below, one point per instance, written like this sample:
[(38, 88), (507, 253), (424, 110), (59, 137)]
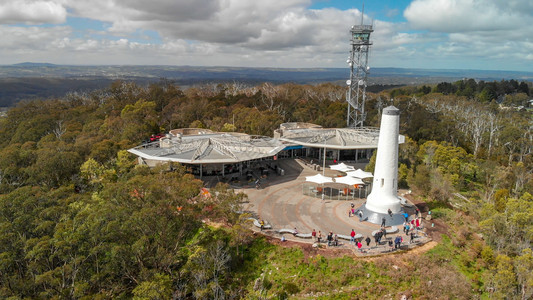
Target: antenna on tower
[(362, 13)]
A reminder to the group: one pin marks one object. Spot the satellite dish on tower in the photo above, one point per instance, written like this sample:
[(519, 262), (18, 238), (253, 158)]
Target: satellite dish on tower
[(348, 82)]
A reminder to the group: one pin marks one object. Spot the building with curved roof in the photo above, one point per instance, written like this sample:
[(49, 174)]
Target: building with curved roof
[(311, 135), (202, 146), (209, 152)]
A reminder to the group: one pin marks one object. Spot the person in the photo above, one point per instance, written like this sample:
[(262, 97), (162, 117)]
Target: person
[(313, 234), (417, 223), (407, 228), (376, 238), (335, 240), (368, 240), (319, 236), (262, 223), (295, 232), (406, 216), (383, 222), (390, 245), (384, 232), (352, 205), (412, 237), (330, 238), (390, 212), (352, 236), (257, 185), (379, 235), (360, 214), (349, 213), (397, 242), (359, 246), (283, 238), (417, 213)]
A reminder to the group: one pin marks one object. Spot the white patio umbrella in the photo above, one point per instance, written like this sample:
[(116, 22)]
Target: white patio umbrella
[(319, 178), (349, 180), (342, 167), (359, 174)]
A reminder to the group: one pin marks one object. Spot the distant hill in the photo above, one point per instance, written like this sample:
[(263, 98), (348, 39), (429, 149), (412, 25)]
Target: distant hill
[(34, 64), (299, 75), (31, 80)]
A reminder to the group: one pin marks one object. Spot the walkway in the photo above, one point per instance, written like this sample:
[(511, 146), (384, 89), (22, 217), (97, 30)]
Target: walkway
[(282, 204)]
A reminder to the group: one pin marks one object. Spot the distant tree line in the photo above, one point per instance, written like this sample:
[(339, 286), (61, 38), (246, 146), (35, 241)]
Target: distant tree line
[(510, 92)]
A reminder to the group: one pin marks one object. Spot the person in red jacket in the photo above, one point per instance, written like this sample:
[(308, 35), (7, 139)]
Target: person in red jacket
[(352, 236)]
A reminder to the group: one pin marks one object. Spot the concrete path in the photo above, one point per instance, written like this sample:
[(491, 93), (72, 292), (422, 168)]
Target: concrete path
[(281, 203)]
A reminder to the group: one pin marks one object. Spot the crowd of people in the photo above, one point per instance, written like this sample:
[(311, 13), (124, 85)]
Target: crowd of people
[(411, 227)]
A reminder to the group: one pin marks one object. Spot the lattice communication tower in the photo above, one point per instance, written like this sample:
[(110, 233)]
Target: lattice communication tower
[(359, 69)]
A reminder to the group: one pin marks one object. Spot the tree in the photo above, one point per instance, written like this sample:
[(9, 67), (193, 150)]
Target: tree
[(158, 288), (139, 120), (523, 266), (504, 278)]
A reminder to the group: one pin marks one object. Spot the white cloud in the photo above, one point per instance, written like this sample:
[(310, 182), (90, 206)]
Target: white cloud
[(467, 15), (438, 33), (30, 39), (32, 12)]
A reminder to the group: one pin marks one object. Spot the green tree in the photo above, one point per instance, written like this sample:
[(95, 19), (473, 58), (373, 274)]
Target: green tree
[(160, 288)]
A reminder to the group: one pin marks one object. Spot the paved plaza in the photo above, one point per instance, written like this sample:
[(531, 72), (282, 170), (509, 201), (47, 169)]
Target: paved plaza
[(281, 203)]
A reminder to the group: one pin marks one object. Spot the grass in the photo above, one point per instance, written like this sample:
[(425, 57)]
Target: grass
[(288, 274)]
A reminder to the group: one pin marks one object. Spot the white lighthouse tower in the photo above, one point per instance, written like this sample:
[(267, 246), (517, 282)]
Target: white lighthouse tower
[(383, 201)]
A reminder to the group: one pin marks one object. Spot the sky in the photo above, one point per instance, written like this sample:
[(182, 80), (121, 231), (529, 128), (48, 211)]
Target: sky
[(430, 34)]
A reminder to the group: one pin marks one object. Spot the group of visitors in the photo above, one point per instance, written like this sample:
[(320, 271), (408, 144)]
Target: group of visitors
[(331, 239), (410, 228), (353, 212), (359, 243)]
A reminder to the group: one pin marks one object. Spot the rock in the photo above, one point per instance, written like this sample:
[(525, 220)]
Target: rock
[(395, 267), (258, 284)]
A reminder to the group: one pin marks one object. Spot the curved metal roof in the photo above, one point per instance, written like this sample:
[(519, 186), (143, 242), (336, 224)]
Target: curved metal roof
[(205, 147), (311, 135)]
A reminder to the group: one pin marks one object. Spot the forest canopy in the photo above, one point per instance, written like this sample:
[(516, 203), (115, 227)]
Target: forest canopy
[(79, 218)]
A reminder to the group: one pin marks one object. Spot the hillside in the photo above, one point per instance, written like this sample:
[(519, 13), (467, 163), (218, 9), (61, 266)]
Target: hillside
[(79, 219), (43, 81)]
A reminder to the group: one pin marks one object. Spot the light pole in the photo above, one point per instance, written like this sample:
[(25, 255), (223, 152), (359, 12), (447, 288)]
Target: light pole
[(324, 163)]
